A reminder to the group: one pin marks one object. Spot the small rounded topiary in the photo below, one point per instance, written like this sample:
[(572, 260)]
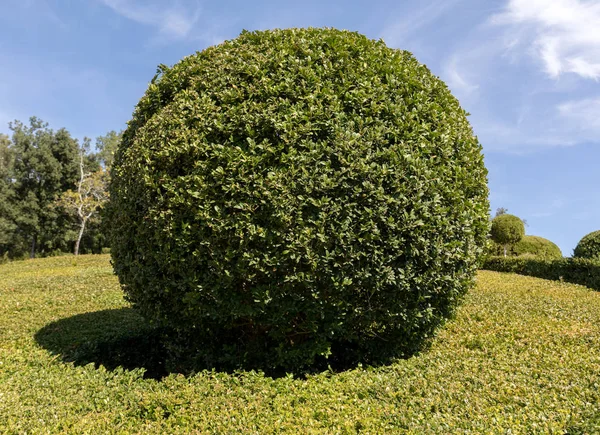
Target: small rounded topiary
[(589, 246), (532, 246), (507, 229), (290, 191)]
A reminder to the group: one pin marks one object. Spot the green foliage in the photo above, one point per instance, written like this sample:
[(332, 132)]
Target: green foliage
[(529, 245), (575, 270), (107, 145), (7, 226), (38, 166), (295, 190), (589, 246), (507, 229), (521, 356), (45, 164), (90, 196)]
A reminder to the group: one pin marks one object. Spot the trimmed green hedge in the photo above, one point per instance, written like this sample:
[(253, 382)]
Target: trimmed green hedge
[(529, 245), (588, 246), (293, 192), (575, 270), (521, 357), (507, 229)]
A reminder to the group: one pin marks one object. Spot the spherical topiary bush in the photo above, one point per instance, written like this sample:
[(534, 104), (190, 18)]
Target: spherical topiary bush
[(293, 191), (537, 246), (589, 246), (530, 245), (507, 230)]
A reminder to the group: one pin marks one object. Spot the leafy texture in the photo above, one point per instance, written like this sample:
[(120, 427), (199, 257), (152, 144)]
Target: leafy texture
[(576, 270), (521, 356), (507, 229), (530, 246), (88, 199), (44, 165), (293, 192), (589, 246)]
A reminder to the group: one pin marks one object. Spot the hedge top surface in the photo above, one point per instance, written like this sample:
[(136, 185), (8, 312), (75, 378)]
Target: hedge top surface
[(588, 246), (531, 345), (507, 229), (537, 246), (314, 181), (530, 245)]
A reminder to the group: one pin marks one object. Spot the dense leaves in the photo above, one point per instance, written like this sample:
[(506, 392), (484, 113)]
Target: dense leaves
[(576, 270), (530, 246), (588, 246), (40, 185), (507, 229), (45, 164), (522, 356), (297, 190)]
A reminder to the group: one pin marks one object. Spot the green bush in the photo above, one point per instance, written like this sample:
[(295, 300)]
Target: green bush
[(507, 230), (575, 270), (293, 192), (531, 246), (589, 246)]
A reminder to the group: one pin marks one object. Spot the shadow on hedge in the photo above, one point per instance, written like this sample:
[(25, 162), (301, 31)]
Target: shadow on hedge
[(122, 338), (110, 338)]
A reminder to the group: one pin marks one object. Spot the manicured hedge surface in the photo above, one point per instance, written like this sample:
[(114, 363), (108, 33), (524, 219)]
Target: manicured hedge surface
[(575, 270), (521, 356), (295, 193), (588, 246), (529, 245), (507, 229)]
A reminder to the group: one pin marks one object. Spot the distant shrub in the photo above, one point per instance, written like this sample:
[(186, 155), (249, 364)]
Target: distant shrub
[(589, 246), (291, 191), (529, 245), (507, 230), (575, 270)]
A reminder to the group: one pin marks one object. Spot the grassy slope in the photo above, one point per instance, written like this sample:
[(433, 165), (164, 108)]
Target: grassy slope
[(522, 354)]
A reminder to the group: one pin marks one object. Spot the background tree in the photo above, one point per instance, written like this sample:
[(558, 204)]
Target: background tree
[(500, 211), (45, 165), (90, 195), (507, 230), (106, 146), (7, 227), (37, 166)]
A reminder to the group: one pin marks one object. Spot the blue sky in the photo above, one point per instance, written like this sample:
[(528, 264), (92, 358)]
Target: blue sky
[(527, 70)]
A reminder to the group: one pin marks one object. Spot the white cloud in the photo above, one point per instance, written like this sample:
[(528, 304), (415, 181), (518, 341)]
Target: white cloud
[(520, 106), (395, 34), (457, 79), (175, 21), (563, 124), (563, 34), (583, 116), (33, 13)]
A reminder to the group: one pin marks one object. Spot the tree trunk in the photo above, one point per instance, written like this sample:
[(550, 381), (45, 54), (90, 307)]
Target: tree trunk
[(505, 250), (79, 237), (33, 240)]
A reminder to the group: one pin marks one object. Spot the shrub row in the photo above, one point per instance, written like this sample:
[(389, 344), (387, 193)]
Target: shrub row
[(575, 270)]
